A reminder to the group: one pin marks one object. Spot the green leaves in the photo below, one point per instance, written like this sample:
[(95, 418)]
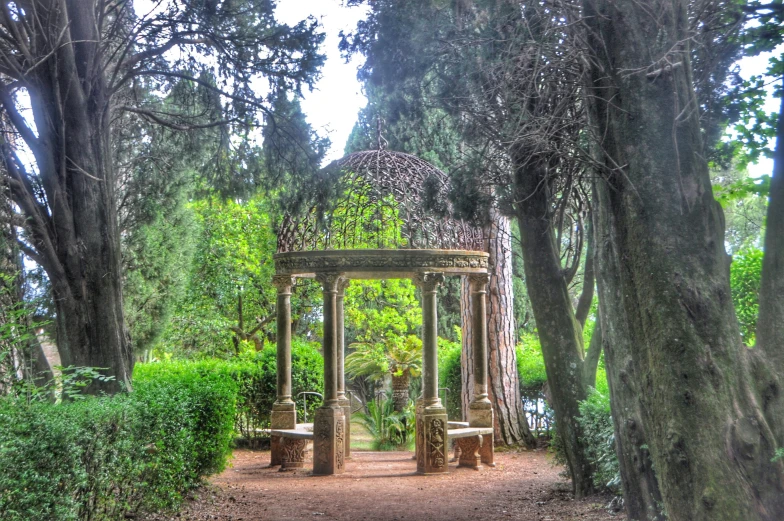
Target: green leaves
[(745, 273)]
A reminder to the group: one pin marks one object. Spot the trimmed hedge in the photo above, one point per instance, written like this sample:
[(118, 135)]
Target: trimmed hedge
[(105, 458), (256, 380), (449, 376)]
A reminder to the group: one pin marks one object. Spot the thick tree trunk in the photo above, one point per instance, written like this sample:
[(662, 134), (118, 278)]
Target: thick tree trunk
[(78, 244), (769, 369), (670, 329), (642, 497), (510, 424), (559, 332)]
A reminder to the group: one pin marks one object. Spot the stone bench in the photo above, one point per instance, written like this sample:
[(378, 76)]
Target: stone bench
[(474, 445), (294, 443)]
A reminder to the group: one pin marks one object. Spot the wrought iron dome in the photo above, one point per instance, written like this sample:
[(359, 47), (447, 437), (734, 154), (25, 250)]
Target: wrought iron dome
[(377, 200)]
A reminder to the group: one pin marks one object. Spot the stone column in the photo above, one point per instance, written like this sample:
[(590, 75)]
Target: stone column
[(480, 410), (329, 429), (284, 413), (432, 436), (343, 283)]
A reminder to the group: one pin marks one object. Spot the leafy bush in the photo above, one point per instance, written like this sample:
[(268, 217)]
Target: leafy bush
[(109, 457), (256, 381), (599, 438), (389, 429), (450, 376), (530, 363), (745, 273)]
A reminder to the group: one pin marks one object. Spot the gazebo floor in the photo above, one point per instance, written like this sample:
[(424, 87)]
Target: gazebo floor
[(383, 486)]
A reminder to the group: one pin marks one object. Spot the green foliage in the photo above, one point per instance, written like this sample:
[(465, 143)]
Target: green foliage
[(530, 363), (745, 273), (389, 429), (256, 379), (779, 454), (450, 374), (109, 457), (233, 262), (599, 437)]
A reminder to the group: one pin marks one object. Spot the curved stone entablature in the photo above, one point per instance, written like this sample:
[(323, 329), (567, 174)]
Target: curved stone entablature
[(381, 263)]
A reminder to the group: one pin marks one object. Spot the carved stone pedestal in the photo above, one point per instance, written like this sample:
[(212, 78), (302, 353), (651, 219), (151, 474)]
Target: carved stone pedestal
[(346, 406), (293, 453), (432, 455), (329, 440), (283, 416), (419, 410), (468, 449)]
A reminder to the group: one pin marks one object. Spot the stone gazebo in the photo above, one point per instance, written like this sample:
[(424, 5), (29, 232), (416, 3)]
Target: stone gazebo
[(377, 228)]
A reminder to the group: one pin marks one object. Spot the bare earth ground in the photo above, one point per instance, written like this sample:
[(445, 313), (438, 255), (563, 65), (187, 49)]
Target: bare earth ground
[(383, 486)]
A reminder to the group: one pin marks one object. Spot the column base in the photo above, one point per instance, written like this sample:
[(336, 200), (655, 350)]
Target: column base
[(329, 441), (432, 454), (283, 416), (345, 404), (480, 414)]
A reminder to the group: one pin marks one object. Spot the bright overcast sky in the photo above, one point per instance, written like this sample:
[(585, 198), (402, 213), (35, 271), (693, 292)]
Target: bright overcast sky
[(332, 108)]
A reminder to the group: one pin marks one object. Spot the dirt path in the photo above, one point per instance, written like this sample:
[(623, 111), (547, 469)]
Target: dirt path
[(383, 486)]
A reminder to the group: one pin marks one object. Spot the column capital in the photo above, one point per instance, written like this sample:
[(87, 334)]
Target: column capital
[(283, 283), (428, 281), (343, 283), (479, 281), (329, 281)]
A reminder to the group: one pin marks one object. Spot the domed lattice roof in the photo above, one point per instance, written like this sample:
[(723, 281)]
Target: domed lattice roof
[(383, 200)]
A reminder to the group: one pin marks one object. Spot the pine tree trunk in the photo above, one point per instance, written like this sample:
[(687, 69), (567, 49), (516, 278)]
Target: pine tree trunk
[(510, 424), (559, 332), (672, 338), (400, 391)]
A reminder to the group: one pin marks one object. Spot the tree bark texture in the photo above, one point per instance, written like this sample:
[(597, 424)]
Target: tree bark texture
[(559, 332), (400, 391), (75, 234), (510, 424), (670, 332)]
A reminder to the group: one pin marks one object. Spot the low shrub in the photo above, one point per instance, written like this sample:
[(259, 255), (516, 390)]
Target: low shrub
[(599, 437), (112, 457)]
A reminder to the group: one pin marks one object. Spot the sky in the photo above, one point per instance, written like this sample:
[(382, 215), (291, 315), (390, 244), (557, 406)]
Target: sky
[(332, 108)]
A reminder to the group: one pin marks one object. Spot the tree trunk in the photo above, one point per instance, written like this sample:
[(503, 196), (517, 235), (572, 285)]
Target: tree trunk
[(75, 235), (510, 424), (559, 332), (671, 335), (400, 391), (591, 363), (770, 323)]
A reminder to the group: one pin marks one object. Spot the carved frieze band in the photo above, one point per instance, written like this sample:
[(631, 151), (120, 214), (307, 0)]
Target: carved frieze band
[(429, 281), (297, 263)]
